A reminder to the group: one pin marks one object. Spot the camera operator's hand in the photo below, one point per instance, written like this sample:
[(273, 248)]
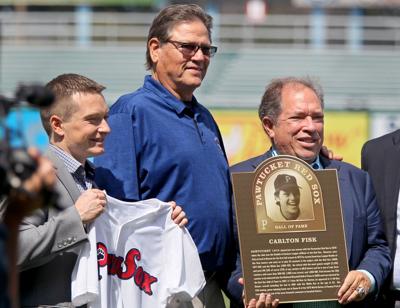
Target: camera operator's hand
[(91, 204), (23, 201), (44, 176)]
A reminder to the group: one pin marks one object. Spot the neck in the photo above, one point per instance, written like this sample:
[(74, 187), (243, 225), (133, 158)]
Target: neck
[(81, 160), (184, 95), (275, 151)]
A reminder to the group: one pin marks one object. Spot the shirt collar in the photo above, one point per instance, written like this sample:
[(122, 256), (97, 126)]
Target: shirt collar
[(316, 164), (70, 162), (157, 88)]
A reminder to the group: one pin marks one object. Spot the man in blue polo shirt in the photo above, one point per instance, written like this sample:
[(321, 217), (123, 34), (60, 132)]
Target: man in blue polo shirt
[(163, 144)]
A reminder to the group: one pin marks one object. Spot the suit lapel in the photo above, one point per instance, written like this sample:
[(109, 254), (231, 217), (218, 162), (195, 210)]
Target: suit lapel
[(64, 176), (347, 212), (258, 160)]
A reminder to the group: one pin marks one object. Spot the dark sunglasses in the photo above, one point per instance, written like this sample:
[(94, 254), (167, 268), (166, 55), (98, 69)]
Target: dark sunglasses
[(190, 49)]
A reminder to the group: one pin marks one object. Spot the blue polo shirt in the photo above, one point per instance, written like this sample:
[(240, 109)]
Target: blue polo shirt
[(160, 147)]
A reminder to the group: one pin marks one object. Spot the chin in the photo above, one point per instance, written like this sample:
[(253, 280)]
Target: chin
[(194, 84), (96, 152), (193, 81), (307, 156)]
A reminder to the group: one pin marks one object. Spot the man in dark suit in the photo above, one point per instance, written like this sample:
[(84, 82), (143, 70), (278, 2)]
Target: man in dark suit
[(380, 158), (292, 115)]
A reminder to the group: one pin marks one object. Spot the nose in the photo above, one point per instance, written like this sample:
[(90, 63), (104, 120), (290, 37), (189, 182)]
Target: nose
[(104, 127), (291, 197), (309, 124)]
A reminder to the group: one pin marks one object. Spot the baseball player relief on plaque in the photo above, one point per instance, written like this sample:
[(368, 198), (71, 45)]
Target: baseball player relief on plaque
[(291, 233)]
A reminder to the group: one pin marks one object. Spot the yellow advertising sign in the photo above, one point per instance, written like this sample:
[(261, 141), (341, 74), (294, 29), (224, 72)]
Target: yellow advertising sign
[(242, 133), (244, 137), (345, 134)]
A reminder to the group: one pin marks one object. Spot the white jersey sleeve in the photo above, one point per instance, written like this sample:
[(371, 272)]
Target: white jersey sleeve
[(182, 267), (84, 282)]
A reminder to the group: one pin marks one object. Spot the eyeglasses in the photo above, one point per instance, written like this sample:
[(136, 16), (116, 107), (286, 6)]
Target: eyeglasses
[(190, 49)]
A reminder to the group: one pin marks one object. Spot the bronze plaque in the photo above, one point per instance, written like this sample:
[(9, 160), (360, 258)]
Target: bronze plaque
[(291, 232)]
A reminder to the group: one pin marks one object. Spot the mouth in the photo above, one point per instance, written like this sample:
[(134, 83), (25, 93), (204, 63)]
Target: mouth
[(194, 68), (308, 141), (98, 140)]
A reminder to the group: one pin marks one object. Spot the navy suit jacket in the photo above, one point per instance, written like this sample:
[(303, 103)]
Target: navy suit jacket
[(367, 247)]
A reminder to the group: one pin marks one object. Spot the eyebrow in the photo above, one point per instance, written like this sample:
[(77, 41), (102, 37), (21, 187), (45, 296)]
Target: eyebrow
[(96, 114)]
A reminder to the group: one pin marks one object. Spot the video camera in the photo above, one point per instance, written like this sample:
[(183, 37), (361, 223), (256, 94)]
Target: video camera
[(16, 165)]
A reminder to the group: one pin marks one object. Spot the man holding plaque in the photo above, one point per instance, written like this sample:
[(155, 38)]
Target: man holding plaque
[(292, 115)]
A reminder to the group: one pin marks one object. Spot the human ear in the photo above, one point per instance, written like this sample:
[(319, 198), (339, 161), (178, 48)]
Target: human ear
[(269, 127), (56, 125), (154, 46)]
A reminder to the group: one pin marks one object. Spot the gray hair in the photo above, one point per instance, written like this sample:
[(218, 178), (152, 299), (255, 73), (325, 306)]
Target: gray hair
[(271, 102), (169, 17)]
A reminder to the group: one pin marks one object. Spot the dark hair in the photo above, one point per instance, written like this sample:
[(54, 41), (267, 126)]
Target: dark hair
[(285, 182), (271, 102), (169, 17), (64, 87)]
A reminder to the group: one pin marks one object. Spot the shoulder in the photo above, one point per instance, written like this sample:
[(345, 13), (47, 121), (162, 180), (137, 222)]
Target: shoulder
[(352, 168), (381, 150), (49, 154), (384, 140), (130, 102), (349, 171), (248, 165), (57, 162), (343, 166)]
